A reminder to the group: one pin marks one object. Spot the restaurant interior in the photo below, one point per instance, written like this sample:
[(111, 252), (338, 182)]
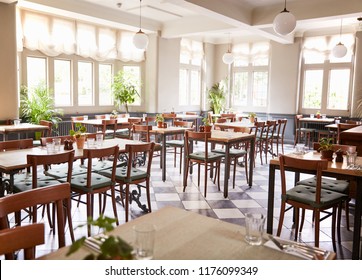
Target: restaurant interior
[(186, 115)]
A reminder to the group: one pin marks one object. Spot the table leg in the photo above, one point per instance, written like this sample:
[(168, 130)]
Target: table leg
[(270, 213), (251, 161), (357, 222), (163, 157), (227, 170)]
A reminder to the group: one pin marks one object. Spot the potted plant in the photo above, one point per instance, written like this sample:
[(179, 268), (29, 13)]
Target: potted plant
[(326, 148), (38, 104), (318, 115), (124, 89), (159, 120), (110, 247), (216, 97), (79, 135), (114, 114), (206, 127), (252, 117)]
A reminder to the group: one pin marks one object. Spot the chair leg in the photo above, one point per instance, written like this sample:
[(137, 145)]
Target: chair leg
[(126, 206), (181, 150), (296, 222), (339, 217), (89, 211), (334, 218), (68, 206), (346, 210), (317, 227), (113, 195), (205, 179), (281, 218), (148, 194)]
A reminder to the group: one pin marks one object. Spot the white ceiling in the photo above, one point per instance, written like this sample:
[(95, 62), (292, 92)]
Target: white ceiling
[(214, 21)]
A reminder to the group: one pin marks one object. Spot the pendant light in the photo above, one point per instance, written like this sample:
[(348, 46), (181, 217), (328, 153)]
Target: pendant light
[(284, 23), (228, 57), (339, 50), (140, 39)]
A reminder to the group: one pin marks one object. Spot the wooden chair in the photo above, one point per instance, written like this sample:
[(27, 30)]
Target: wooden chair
[(131, 175), (49, 131), (18, 238), (267, 138), (203, 157), (169, 117), (278, 137), (150, 120), (229, 116), (58, 194), (177, 142), (109, 128), (302, 132), (306, 197), (258, 130), (74, 119), (16, 144), (39, 179), (94, 183)]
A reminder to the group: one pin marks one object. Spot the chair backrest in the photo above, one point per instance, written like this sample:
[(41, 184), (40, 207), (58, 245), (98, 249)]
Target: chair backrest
[(351, 121), (143, 130), (44, 140), (48, 132), (100, 117), (14, 239), (191, 113), (221, 120), (230, 116), (73, 119), (183, 124), (135, 120), (336, 147), (270, 128), (150, 119), (296, 120), (57, 194), (282, 124), (193, 136), (243, 129), (16, 144), (109, 152), (146, 149), (310, 165), (258, 128), (110, 124)]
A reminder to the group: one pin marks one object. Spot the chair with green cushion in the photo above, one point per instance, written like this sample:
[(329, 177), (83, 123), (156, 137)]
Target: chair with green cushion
[(306, 197), (131, 175), (202, 157), (37, 179), (92, 182)]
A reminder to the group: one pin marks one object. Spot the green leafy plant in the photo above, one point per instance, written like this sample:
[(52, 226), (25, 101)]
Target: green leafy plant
[(124, 89), (111, 247), (38, 104), (79, 130), (325, 144), (159, 118), (252, 115), (206, 121), (216, 97)]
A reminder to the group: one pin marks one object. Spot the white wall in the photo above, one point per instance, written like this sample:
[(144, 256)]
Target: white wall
[(357, 90), (8, 58)]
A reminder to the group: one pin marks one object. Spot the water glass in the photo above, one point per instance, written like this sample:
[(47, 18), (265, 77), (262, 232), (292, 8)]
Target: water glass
[(351, 159), (50, 148), (144, 241), (85, 117), (16, 122), (56, 142), (136, 136), (254, 225), (311, 116), (144, 117), (90, 143), (99, 140)]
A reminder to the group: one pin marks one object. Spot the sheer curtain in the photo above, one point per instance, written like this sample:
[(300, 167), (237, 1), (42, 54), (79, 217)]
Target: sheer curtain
[(245, 53), (54, 36), (191, 50)]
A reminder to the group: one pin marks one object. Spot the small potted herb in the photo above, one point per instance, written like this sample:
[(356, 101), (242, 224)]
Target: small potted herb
[(206, 127), (252, 117), (326, 148), (79, 135), (159, 120)]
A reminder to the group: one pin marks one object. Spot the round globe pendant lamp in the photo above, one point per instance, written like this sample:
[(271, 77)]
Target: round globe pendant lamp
[(140, 39), (284, 23), (339, 50), (228, 57)]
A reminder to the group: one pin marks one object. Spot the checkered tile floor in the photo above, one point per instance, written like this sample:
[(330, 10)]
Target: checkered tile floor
[(241, 200)]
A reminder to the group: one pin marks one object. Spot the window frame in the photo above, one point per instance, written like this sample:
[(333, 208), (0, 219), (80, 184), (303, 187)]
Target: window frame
[(189, 68)]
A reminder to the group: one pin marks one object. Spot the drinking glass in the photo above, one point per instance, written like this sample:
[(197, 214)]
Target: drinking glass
[(254, 225), (144, 241)]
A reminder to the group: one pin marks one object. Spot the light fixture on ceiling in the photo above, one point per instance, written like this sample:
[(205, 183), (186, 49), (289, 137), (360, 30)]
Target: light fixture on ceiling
[(284, 23), (339, 50), (140, 39), (228, 57)]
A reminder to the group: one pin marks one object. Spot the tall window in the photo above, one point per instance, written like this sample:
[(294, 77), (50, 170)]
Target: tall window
[(85, 83), (250, 76), (105, 84), (62, 83), (36, 72), (134, 74), (326, 80), (190, 73)]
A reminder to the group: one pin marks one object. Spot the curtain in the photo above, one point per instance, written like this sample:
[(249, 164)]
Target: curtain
[(191, 50), (54, 36), (246, 53)]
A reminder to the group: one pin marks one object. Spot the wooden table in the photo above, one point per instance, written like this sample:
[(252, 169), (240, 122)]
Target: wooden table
[(227, 125), (185, 235), (164, 133), (21, 128), (353, 137), (334, 169), (228, 139)]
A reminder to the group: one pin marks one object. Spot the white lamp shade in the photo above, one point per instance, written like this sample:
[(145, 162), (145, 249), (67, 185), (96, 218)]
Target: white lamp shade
[(228, 58), (339, 50), (140, 40), (284, 23)]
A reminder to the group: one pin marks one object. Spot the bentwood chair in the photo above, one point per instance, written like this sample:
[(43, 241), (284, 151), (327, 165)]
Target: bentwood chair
[(15, 239), (93, 182), (210, 160), (302, 132), (58, 194), (305, 197), (278, 136), (133, 175)]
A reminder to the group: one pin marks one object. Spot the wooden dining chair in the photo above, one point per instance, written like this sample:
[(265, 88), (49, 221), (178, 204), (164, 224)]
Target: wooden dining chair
[(18, 238), (74, 120), (133, 175), (316, 199), (58, 194), (278, 136), (109, 128), (302, 132), (93, 182), (210, 160)]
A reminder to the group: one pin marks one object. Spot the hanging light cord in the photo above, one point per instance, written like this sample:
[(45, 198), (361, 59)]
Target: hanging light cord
[(340, 31), (140, 16), (285, 7)]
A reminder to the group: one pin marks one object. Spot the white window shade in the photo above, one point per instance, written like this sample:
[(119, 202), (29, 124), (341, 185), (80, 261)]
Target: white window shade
[(246, 53), (54, 36), (191, 50)]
